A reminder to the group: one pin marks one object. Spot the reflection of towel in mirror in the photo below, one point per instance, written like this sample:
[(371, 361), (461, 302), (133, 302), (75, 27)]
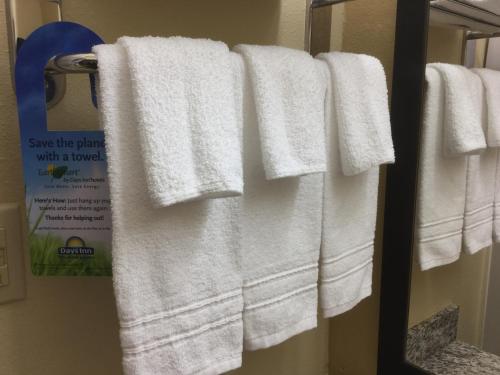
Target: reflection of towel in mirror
[(491, 80), (441, 185), (463, 105)]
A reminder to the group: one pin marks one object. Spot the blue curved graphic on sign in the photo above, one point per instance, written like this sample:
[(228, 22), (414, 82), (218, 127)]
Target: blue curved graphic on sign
[(65, 171)]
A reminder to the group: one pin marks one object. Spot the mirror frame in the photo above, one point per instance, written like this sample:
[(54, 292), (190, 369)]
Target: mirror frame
[(410, 57)]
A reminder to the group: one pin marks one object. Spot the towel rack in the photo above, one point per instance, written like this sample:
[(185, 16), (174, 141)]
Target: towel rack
[(87, 62), (477, 23)]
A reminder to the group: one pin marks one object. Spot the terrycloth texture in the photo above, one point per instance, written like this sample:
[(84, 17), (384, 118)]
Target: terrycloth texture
[(349, 217), (496, 210), (182, 91), (441, 185), (480, 193), (289, 97), (362, 111), (491, 82), (463, 103), (281, 231), (176, 275)]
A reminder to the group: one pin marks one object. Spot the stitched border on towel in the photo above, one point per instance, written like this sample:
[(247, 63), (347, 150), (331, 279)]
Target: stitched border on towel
[(355, 269), (441, 236), (478, 210), (164, 341), (280, 275), (479, 223), (180, 310), (441, 221), (281, 298), (346, 253)]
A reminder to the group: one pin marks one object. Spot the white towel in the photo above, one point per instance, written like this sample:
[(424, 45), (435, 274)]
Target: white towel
[(496, 211), (281, 231), (441, 185), (480, 191), (491, 81), (289, 98), (349, 217), (362, 111), (183, 96), (176, 275), (463, 129)]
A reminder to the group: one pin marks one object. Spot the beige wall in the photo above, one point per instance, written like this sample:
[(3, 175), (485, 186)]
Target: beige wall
[(68, 325), (463, 283), (369, 28)]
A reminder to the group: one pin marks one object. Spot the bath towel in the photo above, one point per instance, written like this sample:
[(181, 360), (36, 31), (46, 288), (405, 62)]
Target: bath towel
[(184, 101), (441, 185), (281, 232), (289, 98), (480, 190), (176, 272), (463, 129), (491, 81), (348, 229), (362, 111)]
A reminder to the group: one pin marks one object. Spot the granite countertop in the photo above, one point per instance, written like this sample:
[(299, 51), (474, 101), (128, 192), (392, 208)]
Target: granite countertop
[(432, 346)]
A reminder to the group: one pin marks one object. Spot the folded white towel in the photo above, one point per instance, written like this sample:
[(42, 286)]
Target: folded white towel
[(289, 97), (183, 96), (349, 216), (441, 185), (362, 111), (176, 273), (281, 232), (463, 129), (480, 191), (491, 82)]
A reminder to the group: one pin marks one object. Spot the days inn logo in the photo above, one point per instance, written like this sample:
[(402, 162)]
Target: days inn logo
[(75, 246)]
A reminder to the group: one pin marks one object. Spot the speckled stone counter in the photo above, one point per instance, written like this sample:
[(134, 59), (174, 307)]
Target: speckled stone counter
[(432, 346)]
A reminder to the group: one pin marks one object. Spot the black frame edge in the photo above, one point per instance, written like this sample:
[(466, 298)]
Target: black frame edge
[(410, 54)]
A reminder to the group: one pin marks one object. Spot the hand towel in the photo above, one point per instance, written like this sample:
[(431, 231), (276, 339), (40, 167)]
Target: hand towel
[(281, 231), (183, 96), (441, 185), (463, 129), (348, 229), (480, 189), (176, 271), (362, 111), (491, 82), (289, 98)]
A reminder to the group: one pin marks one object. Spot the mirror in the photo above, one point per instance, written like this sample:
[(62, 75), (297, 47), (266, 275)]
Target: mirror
[(454, 304)]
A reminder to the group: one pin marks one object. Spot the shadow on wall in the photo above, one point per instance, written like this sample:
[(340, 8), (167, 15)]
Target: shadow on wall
[(255, 21)]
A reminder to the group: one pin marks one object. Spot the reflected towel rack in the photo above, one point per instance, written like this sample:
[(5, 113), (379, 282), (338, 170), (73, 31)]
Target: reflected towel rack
[(87, 62), (477, 23)]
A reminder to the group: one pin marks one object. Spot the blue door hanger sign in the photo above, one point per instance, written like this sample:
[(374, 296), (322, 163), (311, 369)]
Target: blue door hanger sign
[(67, 193)]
